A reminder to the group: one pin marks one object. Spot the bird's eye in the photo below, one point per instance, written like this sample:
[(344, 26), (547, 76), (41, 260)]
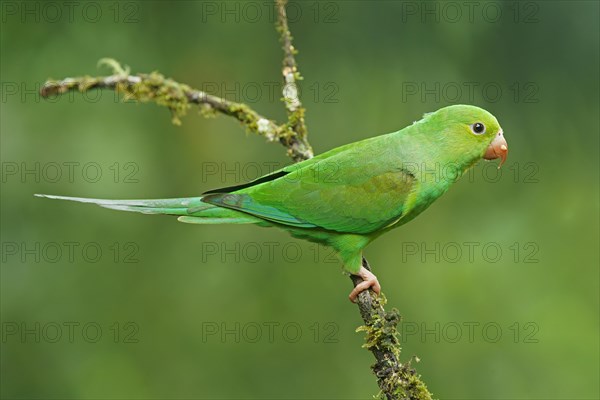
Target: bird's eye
[(478, 128)]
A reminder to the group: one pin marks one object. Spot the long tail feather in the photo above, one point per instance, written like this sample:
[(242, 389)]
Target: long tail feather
[(156, 206), (190, 209)]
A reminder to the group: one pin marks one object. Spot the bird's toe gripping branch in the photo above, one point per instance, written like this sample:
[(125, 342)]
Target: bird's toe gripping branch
[(369, 281)]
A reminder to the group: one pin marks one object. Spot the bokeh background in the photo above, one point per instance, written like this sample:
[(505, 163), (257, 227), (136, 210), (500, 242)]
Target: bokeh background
[(194, 312)]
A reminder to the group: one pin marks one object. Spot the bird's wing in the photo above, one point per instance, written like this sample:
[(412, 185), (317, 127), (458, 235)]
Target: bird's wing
[(359, 189)]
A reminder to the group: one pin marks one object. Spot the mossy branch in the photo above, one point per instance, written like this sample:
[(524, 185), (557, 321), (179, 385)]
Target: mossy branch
[(179, 98), (290, 74), (396, 380)]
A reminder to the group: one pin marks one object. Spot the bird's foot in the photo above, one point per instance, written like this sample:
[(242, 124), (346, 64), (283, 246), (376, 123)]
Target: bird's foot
[(369, 281)]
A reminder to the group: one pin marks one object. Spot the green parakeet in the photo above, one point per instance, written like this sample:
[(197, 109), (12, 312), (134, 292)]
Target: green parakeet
[(347, 197)]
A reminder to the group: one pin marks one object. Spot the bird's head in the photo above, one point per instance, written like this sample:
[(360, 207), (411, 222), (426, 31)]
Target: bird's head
[(469, 132)]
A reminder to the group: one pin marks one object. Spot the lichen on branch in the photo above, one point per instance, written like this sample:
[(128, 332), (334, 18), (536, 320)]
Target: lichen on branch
[(179, 98), (396, 380), (290, 74)]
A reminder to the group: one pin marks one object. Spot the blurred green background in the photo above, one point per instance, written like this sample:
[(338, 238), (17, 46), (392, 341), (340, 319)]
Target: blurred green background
[(242, 312)]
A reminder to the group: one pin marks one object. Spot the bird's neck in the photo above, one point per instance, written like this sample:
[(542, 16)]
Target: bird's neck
[(430, 159)]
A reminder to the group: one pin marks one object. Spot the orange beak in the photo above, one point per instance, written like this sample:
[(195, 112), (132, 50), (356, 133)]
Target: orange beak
[(497, 149)]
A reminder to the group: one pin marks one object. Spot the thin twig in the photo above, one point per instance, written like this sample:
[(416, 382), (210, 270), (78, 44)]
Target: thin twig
[(291, 75)]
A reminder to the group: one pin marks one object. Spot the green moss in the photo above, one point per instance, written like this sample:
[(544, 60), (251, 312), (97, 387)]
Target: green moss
[(114, 65), (396, 379), (207, 111), (164, 92)]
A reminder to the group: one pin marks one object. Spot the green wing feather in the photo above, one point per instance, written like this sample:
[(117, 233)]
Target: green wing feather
[(348, 190)]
